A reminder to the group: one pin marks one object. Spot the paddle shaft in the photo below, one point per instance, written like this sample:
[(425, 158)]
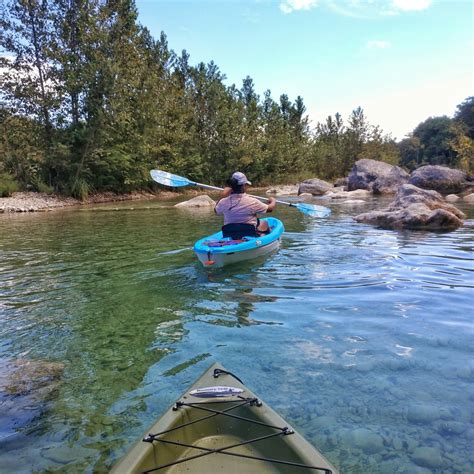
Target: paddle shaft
[(207, 186)]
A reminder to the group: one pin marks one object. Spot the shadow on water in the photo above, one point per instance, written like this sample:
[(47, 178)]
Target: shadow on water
[(352, 333)]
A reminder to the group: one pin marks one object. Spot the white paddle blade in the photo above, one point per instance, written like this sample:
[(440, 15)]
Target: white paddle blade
[(169, 179)]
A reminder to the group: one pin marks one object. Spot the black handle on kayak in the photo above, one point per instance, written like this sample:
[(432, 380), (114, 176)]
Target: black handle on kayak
[(218, 372)]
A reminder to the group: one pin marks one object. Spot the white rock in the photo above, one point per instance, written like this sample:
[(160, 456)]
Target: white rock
[(451, 198), (198, 201)]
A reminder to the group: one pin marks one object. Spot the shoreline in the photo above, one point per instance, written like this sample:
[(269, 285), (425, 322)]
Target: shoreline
[(28, 201), (24, 202)]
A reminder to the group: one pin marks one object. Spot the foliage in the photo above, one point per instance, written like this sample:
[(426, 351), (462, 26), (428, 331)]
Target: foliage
[(8, 185), (91, 102), (438, 141)]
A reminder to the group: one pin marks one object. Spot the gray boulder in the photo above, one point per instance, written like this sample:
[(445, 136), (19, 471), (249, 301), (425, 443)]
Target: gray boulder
[(314, 186), (440, 178), (198, 201), (376, 176), (415, 208)]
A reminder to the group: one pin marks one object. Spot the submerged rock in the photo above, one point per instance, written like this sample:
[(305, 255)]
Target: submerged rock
[(376, 176), (415, 208), (427, 457), (367, 440), (198, 201)]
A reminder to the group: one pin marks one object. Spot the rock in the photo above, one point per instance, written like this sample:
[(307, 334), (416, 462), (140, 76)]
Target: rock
[(316, 187), (367, 440), (422, 414), (376, 176), (30, 377), (469, 198), (290, 190), (198, 201), (415, 208), (439, 178), (358, 193), (341, 183), (427, 457), (452, 198)]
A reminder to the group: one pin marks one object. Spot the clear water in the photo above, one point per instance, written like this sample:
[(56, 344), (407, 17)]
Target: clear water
[(361, 338)]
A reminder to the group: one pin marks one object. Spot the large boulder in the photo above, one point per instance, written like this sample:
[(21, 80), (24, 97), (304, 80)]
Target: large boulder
[(440, 178), (415, 208), (198, 201), (314, 186), (376, 176)]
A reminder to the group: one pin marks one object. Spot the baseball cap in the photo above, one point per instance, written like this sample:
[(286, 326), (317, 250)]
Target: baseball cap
[(240, 178)]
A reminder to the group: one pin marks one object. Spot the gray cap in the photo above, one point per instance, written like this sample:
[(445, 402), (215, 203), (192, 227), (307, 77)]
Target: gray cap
[(240, 178)]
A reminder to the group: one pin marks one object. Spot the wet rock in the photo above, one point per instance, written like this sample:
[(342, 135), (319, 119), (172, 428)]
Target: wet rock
[(289, 190), (427, 457), (367, 440), (376, 176), (316, 187), (469, 198), (198, 201), (440, 178), (415, 208)]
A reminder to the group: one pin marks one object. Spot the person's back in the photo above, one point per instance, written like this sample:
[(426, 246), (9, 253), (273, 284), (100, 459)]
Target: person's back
[(240, 208)]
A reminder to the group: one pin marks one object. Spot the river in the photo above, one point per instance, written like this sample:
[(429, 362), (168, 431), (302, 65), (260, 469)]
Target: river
[(361, 338)]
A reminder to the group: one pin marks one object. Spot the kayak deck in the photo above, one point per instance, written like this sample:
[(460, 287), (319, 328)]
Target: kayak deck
[(233, 433)]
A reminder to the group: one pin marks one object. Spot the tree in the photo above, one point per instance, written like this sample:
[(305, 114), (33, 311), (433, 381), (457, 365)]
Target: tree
[(465, 114)]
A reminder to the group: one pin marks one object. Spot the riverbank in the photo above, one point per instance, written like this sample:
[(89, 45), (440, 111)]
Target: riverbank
[(41, 202)]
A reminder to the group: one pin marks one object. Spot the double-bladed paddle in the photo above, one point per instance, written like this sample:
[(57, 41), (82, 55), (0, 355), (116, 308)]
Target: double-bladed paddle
[(175, 181)]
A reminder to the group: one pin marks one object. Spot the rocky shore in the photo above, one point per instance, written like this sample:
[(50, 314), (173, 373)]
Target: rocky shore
[(40, 202)]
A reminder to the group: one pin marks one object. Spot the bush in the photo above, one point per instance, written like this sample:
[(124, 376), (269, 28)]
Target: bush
[(8, 185)]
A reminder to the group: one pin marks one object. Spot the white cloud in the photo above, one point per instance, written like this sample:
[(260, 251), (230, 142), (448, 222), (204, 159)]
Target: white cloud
[(289, 6), (378, 44), (411, 5), (373, 9)]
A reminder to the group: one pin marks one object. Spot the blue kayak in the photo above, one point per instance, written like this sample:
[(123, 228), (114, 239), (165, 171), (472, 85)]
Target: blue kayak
[(217, 251)]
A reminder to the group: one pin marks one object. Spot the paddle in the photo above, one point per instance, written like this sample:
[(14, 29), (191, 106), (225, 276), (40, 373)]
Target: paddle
[(175, 181)]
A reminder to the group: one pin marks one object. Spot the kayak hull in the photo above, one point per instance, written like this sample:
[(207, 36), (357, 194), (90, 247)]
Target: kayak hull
[(216, 432), (210, 254)]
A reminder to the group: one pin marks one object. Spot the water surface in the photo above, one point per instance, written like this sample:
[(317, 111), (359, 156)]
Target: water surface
[(361, 338)]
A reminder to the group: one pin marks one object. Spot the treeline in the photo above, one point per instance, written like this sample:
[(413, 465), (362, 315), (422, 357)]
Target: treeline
[(91, 102)]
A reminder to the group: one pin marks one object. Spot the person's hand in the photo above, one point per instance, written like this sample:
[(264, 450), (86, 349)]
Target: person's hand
[(227, 191), (271, 204)]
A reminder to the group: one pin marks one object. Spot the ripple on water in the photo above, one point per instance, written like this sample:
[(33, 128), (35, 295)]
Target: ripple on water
[(360, 337)]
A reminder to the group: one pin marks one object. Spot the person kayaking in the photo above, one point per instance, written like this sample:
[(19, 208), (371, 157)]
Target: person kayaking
[(240, 210)]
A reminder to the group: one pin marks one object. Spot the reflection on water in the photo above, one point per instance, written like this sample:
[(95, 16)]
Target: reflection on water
[(361, 338)]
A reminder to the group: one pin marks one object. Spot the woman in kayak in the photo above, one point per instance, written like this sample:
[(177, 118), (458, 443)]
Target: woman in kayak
[(240, 210)]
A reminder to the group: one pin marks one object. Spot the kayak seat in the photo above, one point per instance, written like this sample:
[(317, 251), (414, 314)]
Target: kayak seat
[(237, 231)]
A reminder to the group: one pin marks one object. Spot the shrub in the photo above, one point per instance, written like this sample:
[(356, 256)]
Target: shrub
[(8, 185)]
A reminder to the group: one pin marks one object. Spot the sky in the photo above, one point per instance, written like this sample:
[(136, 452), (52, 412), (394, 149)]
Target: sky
[(402, 61)]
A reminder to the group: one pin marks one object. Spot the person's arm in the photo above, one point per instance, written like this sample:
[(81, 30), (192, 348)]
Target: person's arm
[(226, 192)]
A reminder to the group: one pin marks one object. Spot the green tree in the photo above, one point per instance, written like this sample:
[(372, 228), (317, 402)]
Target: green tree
[(465, 114)]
